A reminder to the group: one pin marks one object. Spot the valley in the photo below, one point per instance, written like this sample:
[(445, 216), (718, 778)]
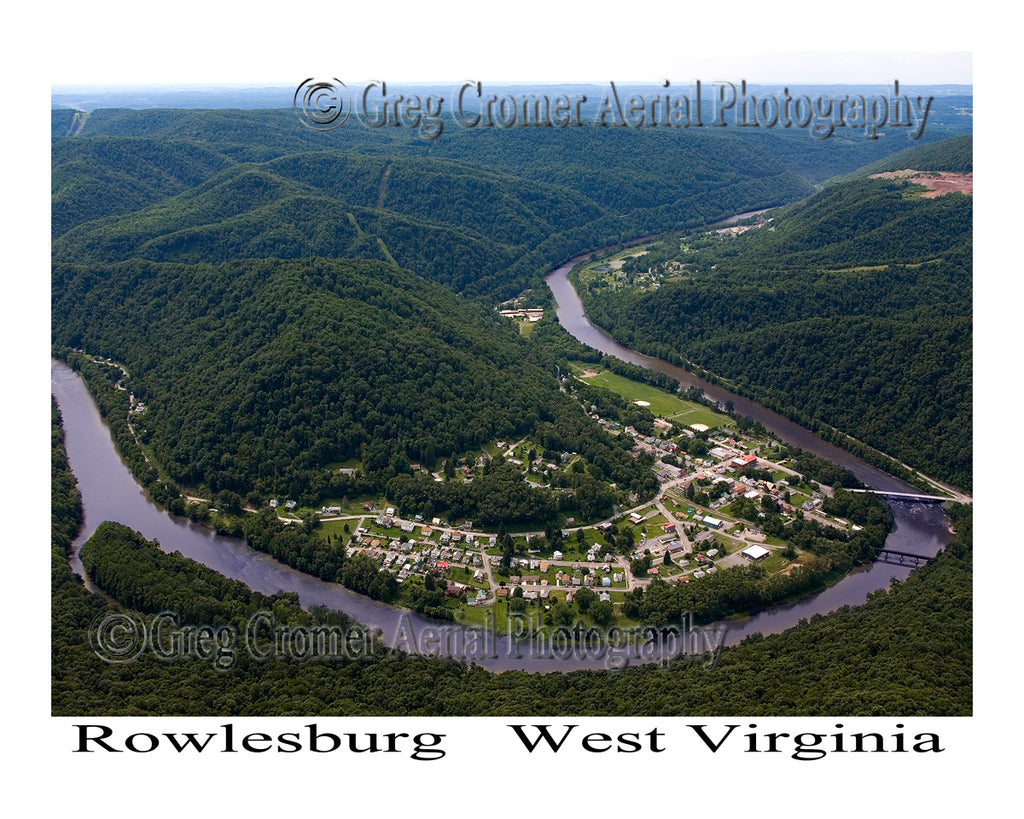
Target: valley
[(317, 365)]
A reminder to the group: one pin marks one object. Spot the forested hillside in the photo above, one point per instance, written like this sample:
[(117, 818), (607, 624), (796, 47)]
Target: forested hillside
[(955, 155), (497, 207), (346, 206), (98, 177), (852, 308), (267, 286), (258, 374)]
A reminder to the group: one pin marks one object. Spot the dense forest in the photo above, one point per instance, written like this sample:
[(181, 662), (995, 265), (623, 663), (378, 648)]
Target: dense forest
[(852, 308), (294, 365), (500, 207)]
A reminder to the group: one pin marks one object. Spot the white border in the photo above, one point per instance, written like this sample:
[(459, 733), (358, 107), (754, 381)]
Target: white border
[(530, 41)]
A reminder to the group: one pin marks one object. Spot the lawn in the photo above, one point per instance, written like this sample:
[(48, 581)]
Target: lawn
[(663, 404)]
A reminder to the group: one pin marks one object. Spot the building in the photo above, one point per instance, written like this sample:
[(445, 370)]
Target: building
[(755, 553), (744, 461)]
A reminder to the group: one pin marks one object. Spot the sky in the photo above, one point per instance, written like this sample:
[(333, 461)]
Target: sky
[(813, 67), (529, 41)]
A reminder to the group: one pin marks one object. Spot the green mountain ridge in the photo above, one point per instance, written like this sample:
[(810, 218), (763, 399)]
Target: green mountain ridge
[(852, 308)]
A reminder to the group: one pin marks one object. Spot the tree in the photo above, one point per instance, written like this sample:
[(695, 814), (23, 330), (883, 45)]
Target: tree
[(508, 550), (640, 565), (602, 611), (562, 614), (584, 598)]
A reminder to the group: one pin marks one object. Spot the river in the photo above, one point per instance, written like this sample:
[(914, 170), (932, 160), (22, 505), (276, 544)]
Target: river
[(920, 528), (110, 492)]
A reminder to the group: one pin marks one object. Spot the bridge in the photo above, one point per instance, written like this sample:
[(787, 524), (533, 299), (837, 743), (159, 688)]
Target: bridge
[(904, 496), (885, 554)]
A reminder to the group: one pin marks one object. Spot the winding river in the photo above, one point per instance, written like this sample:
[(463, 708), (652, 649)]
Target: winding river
[(110, 492), (920, 528)]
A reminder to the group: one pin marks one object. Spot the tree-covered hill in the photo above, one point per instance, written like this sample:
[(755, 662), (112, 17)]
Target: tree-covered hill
[(256, 372), (956, 155), (852, 308), (345, 206), (93, 178), (523, 198)]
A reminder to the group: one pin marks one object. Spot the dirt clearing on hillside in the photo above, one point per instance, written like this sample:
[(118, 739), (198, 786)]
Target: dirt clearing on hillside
[(938, 183)]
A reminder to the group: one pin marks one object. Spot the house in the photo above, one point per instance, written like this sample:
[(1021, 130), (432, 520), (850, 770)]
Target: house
[(744, 461)]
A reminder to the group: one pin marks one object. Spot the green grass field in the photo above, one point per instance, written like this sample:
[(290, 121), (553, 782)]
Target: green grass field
[(663, 404)]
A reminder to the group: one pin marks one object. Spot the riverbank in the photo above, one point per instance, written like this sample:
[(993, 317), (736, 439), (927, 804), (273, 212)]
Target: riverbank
[(769, 332)]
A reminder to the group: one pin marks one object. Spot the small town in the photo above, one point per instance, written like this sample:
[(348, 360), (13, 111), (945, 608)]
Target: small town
[(705, 518)]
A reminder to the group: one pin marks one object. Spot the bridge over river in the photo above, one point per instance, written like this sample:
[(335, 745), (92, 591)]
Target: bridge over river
[(908, 496)]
